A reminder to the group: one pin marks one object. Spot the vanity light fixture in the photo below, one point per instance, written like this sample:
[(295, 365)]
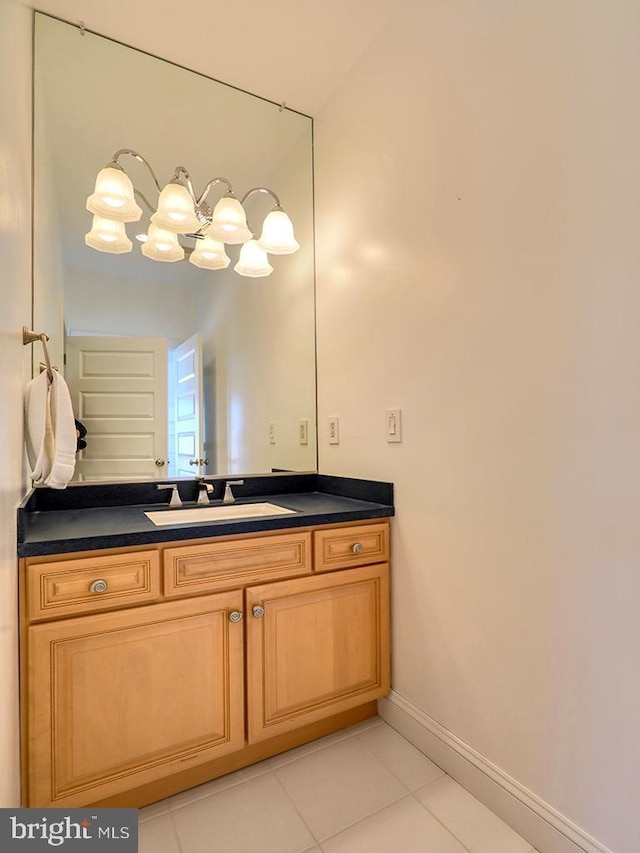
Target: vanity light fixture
[(180, 212)]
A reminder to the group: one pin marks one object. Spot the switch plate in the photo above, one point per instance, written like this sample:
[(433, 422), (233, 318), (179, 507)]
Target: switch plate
[(272, 433), (334, 429), (394, 425), (303, 430)]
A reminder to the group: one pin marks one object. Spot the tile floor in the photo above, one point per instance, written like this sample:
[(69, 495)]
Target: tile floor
[(363, 790)]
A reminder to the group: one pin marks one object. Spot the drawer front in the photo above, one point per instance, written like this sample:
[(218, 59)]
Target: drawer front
[(92, 583), (351, 546), (235, 563)]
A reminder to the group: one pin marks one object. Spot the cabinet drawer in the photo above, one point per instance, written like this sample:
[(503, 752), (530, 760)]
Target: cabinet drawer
[(235, 562), (351, 546), (92, 583)]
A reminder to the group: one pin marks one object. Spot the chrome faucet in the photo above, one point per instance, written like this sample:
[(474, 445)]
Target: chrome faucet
[(175, 494), (204, 490), (228, 494)]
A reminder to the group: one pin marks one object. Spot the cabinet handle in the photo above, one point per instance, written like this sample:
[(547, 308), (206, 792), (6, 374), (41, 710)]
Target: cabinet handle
[(98, 586), (236, 615), (258, 611), (358, 548)]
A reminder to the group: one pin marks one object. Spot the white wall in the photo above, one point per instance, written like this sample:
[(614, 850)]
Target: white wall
[(15, 311), (259, 366), (478, 200)]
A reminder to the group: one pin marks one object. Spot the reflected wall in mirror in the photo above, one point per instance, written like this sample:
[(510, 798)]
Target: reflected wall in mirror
[(174, 370)]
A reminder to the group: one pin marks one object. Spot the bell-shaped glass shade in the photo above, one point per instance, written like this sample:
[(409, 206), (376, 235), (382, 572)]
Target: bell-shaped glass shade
[(108, 236), (229, 221), (162, 245), (176, 211), (277, 234), (253, 261), (209, 254), (113, 197)]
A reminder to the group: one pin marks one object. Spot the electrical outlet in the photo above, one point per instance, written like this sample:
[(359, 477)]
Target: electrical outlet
[(394, 425), (272, 433), (303, 430), (334, 430)]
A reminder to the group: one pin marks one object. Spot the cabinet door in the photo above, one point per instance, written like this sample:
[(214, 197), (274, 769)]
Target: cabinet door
[(316, 646), (119, 699)]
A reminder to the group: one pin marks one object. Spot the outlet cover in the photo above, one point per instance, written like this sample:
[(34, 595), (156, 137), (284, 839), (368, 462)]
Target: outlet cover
[(334, 429)]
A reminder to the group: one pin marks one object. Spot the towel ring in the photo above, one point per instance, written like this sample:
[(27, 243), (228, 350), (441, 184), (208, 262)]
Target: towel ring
[(30, 337)]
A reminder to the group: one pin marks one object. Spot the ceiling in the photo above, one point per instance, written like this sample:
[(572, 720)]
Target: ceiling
[(296, 51)]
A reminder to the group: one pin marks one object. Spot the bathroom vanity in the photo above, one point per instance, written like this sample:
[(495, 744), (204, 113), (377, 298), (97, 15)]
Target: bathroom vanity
[(155, 657)]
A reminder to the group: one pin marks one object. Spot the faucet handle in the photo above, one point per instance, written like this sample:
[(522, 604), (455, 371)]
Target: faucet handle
[(175, 494), (228, 494)]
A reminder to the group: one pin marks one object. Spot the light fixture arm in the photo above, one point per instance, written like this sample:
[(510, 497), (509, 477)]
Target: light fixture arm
[(180, 170), (132, 153), (210, 184), (261, 190)]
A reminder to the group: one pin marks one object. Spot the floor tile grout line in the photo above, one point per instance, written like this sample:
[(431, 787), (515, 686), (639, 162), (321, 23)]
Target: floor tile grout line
[(176, 834), (336, 737), (236, 784), (395, 776), (436, 818), (365, 817), (347, 736), (295, 807), (425, 806)]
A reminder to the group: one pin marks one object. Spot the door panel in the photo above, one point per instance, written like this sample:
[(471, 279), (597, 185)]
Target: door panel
[(128, 697), (118, 389), (320, 648)]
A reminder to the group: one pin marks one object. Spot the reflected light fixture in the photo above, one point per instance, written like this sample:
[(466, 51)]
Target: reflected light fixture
[(180, 212)]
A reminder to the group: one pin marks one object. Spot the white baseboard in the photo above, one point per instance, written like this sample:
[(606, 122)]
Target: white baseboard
[(536, 821)]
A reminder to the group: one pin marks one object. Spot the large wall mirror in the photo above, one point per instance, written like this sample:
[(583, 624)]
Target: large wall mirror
[(174, 370)]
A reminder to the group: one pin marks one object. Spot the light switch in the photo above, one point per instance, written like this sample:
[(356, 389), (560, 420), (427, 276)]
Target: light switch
[(272, 433), (394, 425), (303, 430)]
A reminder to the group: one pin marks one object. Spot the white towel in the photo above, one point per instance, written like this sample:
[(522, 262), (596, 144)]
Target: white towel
[(50, 431), (63, 427), (37, 428)]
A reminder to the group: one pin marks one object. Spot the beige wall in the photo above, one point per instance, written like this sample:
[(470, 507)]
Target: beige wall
[(15, 311), (478, 200)]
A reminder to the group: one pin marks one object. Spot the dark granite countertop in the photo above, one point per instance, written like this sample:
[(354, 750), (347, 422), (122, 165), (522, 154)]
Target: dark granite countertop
[(87, 517)]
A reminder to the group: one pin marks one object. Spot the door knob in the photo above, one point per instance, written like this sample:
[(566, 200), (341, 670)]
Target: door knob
[(160, 462)]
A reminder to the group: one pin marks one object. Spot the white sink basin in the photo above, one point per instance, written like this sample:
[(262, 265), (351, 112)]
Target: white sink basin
[(216, 513)]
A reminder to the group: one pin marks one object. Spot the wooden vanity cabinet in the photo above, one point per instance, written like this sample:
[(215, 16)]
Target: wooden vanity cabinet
[(172, 679), (121, 698)]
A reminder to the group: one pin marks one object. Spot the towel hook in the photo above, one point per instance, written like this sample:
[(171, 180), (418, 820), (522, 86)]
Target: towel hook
[(30, 337)]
